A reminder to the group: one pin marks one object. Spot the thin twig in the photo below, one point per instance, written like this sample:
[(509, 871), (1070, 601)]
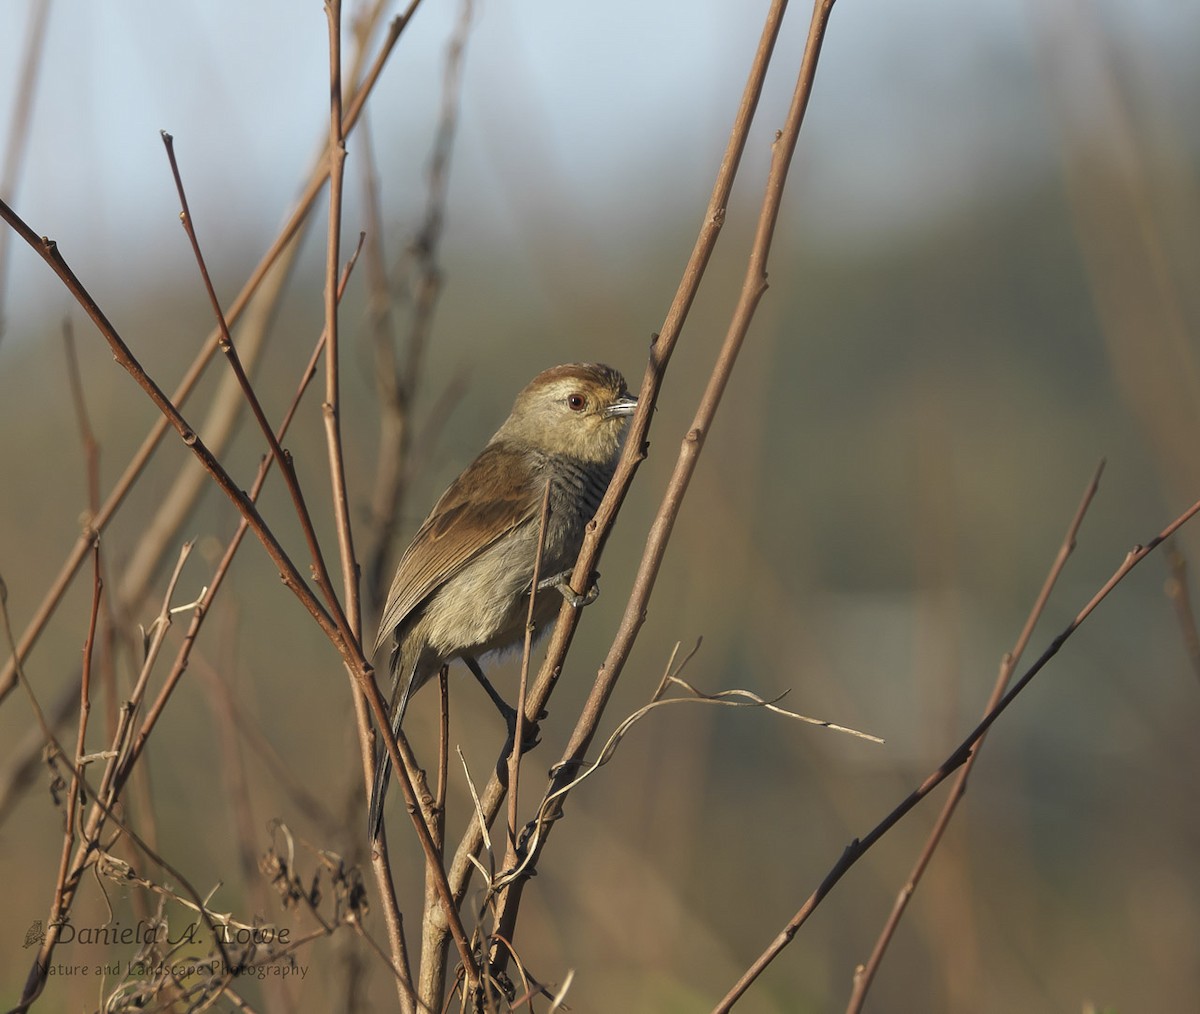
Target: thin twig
[(123, 746), (753, 287), (859, 847), (865, 974), (420, 286), (85, 708), (87, 436), (16, 146), (514, 757), (103, 800), (128, 748), (221, 419), (225, 341), (548, 808), (443, 763), (133, 470), (662, 346), (49, 252), (331, 408), (740, 698)]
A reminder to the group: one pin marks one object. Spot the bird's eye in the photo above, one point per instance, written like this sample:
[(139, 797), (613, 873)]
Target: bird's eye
[(576, 402)]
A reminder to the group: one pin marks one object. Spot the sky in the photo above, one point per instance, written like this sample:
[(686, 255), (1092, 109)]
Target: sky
[(599, 111)]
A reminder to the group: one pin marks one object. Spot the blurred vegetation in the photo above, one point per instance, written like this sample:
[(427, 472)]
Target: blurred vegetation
[(906, 437)]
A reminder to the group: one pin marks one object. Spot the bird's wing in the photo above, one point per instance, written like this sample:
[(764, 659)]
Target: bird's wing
[(458, 529)]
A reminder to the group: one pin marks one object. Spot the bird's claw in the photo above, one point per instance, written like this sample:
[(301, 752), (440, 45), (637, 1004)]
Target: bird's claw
[(531, 738), (561, 582)]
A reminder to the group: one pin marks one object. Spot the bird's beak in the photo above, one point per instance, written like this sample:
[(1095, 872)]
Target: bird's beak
[(624, 405)]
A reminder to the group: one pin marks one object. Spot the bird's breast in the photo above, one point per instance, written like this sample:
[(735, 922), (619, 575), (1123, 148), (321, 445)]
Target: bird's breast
[(485, 606)]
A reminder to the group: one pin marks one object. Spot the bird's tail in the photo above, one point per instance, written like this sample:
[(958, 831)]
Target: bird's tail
[(383, 760)]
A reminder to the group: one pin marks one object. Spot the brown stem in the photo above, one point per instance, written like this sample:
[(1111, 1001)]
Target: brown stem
[(49, 252), (662, 346), (103, 800), (331, 407), (87, 437), (15, 147), (225, 341), (859, 847), (57, 909), (753, 287), (514, 757), (66, 574), (421, 279), (865, 974)]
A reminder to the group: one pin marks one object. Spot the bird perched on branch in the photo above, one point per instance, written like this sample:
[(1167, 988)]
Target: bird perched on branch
[(462, 587)]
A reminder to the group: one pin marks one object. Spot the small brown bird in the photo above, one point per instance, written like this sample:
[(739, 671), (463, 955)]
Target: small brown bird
[(462, 587)]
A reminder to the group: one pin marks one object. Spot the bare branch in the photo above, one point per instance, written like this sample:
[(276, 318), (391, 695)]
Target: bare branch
[(864, 975), (857, 848), (514, 757), (753, 288), (15, 147), (225, 342), (286, 237), (660, 352)]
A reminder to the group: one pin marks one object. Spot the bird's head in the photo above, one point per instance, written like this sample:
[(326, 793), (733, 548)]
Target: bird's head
[(579, 410)]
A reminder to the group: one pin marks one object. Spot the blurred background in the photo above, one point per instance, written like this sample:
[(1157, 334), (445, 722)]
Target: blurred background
[(982, 284)]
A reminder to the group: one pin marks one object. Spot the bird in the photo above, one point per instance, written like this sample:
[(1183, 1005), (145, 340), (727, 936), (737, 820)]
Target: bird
[(461, 589)]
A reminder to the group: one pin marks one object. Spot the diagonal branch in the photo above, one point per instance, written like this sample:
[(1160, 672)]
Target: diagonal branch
[(49, 252), (287, 235), (864, 975), (662, 346), (225, 342), (962, 753), (753, 287)]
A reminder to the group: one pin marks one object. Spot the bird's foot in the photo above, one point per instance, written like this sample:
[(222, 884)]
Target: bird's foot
[(530, 736), (561, 583)]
